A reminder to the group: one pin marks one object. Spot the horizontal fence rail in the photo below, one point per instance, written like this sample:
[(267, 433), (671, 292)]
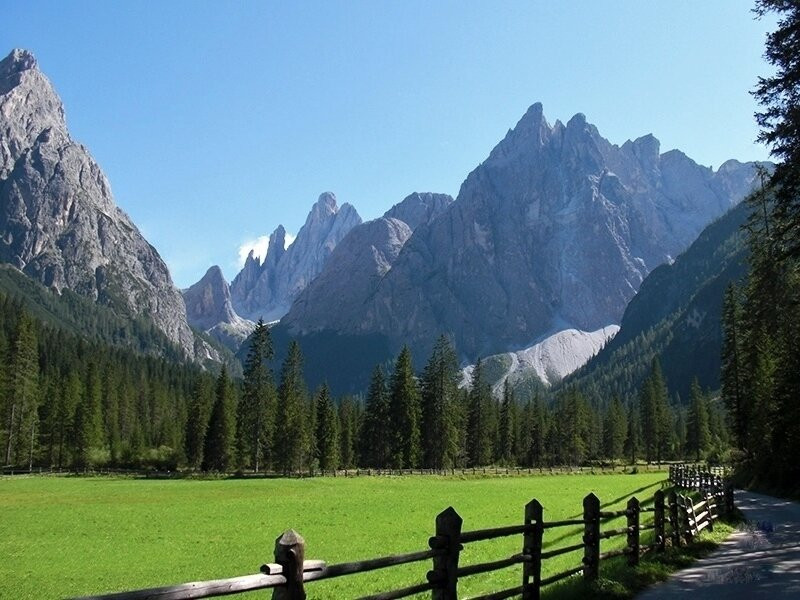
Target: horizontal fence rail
[(674, 517)]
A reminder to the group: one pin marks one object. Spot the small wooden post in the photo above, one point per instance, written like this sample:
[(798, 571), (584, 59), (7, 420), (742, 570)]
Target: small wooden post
[(658, 520), (674, 521), (532, 546), (290, 554), (591, 537), (686, 504), (445, 567), (633, 531)]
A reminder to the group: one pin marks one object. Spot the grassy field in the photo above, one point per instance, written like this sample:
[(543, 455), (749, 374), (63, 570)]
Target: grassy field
[(67, 536)]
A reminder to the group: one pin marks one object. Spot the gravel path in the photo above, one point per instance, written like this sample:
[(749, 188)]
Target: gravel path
[(762, 560)]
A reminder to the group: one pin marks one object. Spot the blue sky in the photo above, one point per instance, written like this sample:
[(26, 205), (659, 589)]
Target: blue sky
[(215, 122)]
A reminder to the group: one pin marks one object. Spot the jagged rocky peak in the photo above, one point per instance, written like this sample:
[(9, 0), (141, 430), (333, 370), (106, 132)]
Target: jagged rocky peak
[(556, 229), (267, 290), (58, 221), (209, 307), (418, 208)]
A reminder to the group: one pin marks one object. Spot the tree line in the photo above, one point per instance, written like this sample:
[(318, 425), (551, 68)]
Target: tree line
[(72, 404)]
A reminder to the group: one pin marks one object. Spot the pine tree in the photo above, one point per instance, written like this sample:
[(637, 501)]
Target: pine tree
[(479, 427), (197, 421), (615, 429), (780, 120), (439, 393), (256, 412), (404, 414), (219, 450), (508, 422), (731, 367), (633, 440), (292, 439), (698, 433), (375, 439), (22, 393), (348, 428), (327, 430)]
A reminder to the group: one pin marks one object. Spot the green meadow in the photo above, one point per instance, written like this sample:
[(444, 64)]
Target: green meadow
[(72, 536)]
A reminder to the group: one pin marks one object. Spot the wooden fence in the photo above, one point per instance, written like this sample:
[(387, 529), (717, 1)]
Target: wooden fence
[(673, 518)]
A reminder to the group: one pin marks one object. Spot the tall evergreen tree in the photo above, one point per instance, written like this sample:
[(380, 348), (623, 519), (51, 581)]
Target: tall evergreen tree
[(615, 429), (197, 421), (219, 450), (633, 440), (256, 411), (439, 393), (376, 440), (22, 393), (508, 422), (348, 432), (480, 433), (292, 437), (698, 432), (404, 414), (731, 367), (327, 430)]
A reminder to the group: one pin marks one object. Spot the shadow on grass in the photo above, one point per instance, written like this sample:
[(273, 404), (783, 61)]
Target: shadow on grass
[(618, 581)]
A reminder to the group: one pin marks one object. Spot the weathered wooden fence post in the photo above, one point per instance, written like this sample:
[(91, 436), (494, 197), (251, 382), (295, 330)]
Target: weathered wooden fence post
[(532, 546), (591, 537), (658, 520), (729, 507), (686, 506), (674, 520), (290, 554), (633, 531), (709, 502), (445, 566)]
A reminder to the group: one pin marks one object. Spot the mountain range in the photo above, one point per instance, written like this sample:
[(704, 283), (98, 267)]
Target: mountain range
[(536, 260)]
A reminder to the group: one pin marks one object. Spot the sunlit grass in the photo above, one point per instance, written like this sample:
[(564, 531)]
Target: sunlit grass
[(67, 536)]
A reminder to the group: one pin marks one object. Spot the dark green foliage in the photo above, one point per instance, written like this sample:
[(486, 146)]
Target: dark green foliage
[(508, 426), (218, 452), (615, 429), (292, 436), (255, 431), (480, 432), (633, 441), (440, 397), (327, 430), (698, 429), (199, 412), (780, 120), (376, 439), (348, 432), (22, 394), (404, 414)]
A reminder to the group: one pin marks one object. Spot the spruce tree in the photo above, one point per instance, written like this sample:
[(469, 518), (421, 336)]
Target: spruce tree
[(197, 421), (508, 422), (439, 394), (698, 433), (348, 432), (479, 427), (731, 365), (292, 438), (376, 440), (615, 429), (22, 393), (405, 417), (633, 440), (219, 450), (256, 412), (327, 430)]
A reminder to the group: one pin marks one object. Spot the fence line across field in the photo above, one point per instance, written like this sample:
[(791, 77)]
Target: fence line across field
[(675, 519)]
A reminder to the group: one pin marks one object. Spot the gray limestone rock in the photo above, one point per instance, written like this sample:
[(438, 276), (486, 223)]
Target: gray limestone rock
[(557, 228), (267, 289), (58, 221), (208, 307)]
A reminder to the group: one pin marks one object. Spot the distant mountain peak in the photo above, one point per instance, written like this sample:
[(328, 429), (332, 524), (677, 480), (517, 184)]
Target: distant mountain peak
[(18, 60)]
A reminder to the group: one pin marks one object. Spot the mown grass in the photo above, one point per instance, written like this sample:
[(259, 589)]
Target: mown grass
[(69, 536)]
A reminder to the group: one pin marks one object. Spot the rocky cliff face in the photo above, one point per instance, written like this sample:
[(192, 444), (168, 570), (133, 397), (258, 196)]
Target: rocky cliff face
[(58, 221), (209, 307), (556, 229), (267, 289), (359, 262)]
